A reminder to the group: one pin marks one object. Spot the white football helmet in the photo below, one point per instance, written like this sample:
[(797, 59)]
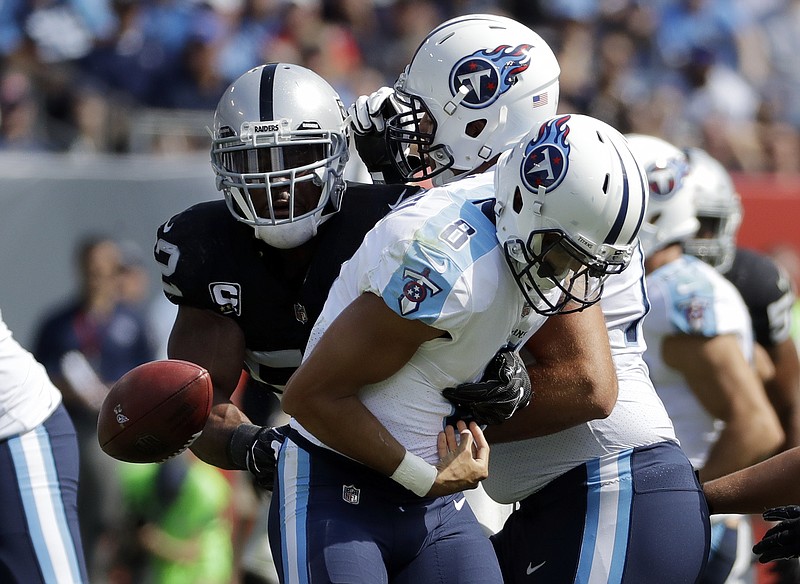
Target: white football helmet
[(670, 209), (279, 148), (719, 210), (475, 85), (571, 198)]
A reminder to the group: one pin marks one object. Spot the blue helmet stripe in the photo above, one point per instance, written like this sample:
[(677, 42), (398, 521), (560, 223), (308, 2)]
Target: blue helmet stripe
[(623, 209), (619, 222), (645, 190)]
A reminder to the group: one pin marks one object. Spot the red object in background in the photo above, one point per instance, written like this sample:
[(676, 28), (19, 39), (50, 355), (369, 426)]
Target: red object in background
[(771, 210), (155, 411), (771, 218)]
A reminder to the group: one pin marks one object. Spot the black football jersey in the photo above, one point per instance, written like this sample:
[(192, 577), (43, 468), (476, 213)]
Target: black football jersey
[(209, 260), (767, 292)]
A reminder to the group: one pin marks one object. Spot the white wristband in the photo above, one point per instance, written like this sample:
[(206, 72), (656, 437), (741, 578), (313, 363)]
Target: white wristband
[(415, 474)]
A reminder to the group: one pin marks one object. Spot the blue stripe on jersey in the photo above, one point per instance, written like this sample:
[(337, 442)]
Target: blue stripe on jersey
[(294, 463), (443, 248), (40, 514), (609, 499)]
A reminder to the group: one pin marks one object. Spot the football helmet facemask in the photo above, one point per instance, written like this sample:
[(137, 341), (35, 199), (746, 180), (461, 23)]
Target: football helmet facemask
[(670, 209), (472, 89), (279, 148), (719, 211), (570, 199)]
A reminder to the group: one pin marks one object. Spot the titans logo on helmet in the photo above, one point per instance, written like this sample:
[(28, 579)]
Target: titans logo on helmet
[(488, 73), (665, 177), (546, 158)]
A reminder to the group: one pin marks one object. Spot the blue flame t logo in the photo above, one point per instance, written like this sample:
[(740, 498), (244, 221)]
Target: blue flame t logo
[(547, 157), (488, 73)]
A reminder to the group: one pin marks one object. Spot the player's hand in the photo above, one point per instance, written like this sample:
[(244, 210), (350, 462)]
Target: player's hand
[(463, 459), (781, 541), (255, 448), (368, 117), (504, 388), (369, 112)]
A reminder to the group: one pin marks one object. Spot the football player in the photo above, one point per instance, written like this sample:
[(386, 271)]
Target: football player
[(475, 84), (435, 290), (40, 540), (250, 274), (701, 352), (764, 286)]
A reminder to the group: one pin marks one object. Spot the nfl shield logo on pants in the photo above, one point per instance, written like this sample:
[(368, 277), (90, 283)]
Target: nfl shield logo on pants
[(351, 494)]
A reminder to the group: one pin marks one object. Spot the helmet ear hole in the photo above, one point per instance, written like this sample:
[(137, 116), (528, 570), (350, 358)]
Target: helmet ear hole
[(475, 127), (517, 206)]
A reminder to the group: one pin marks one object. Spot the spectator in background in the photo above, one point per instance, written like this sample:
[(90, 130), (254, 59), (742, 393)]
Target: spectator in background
[(196, 82), (20, 114), (38, 474), (178, 526), (86, 344)]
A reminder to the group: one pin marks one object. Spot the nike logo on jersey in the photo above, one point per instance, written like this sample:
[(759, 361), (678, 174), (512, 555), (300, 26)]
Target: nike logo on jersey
[(459, 504), (168, 225), (438, 265), (531, 568)]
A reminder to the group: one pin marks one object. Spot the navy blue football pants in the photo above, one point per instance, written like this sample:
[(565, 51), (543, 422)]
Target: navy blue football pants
[(635, 518), (334, 520), (39, 535)]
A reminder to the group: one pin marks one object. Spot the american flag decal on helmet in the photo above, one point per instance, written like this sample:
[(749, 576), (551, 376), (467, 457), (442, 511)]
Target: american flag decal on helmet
[(540, 100)]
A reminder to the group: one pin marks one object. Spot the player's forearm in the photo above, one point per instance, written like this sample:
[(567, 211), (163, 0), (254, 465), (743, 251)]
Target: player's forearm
[(561, 400), (347, 426), (771, 483), (547, 415), (212, 445)]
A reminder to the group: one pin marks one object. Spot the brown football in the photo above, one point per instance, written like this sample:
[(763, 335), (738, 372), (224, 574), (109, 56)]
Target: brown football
[(155, 411)]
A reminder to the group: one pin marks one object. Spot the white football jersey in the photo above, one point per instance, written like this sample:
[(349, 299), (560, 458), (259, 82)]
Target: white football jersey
[(435, 258), (690, 297), (27, 396), (518, 469)]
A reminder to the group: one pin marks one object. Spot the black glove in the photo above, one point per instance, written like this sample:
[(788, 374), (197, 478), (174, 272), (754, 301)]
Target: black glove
[(368, 117), (504, 388), (781, 541), (254, 448)]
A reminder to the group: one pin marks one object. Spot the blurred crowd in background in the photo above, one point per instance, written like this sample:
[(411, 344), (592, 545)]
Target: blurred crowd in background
[(123, 76)]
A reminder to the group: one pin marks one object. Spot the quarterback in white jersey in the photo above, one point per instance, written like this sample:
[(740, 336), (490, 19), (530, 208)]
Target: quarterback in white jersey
[(440, 264), (701, 351), (435, 290), (39, 535)]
